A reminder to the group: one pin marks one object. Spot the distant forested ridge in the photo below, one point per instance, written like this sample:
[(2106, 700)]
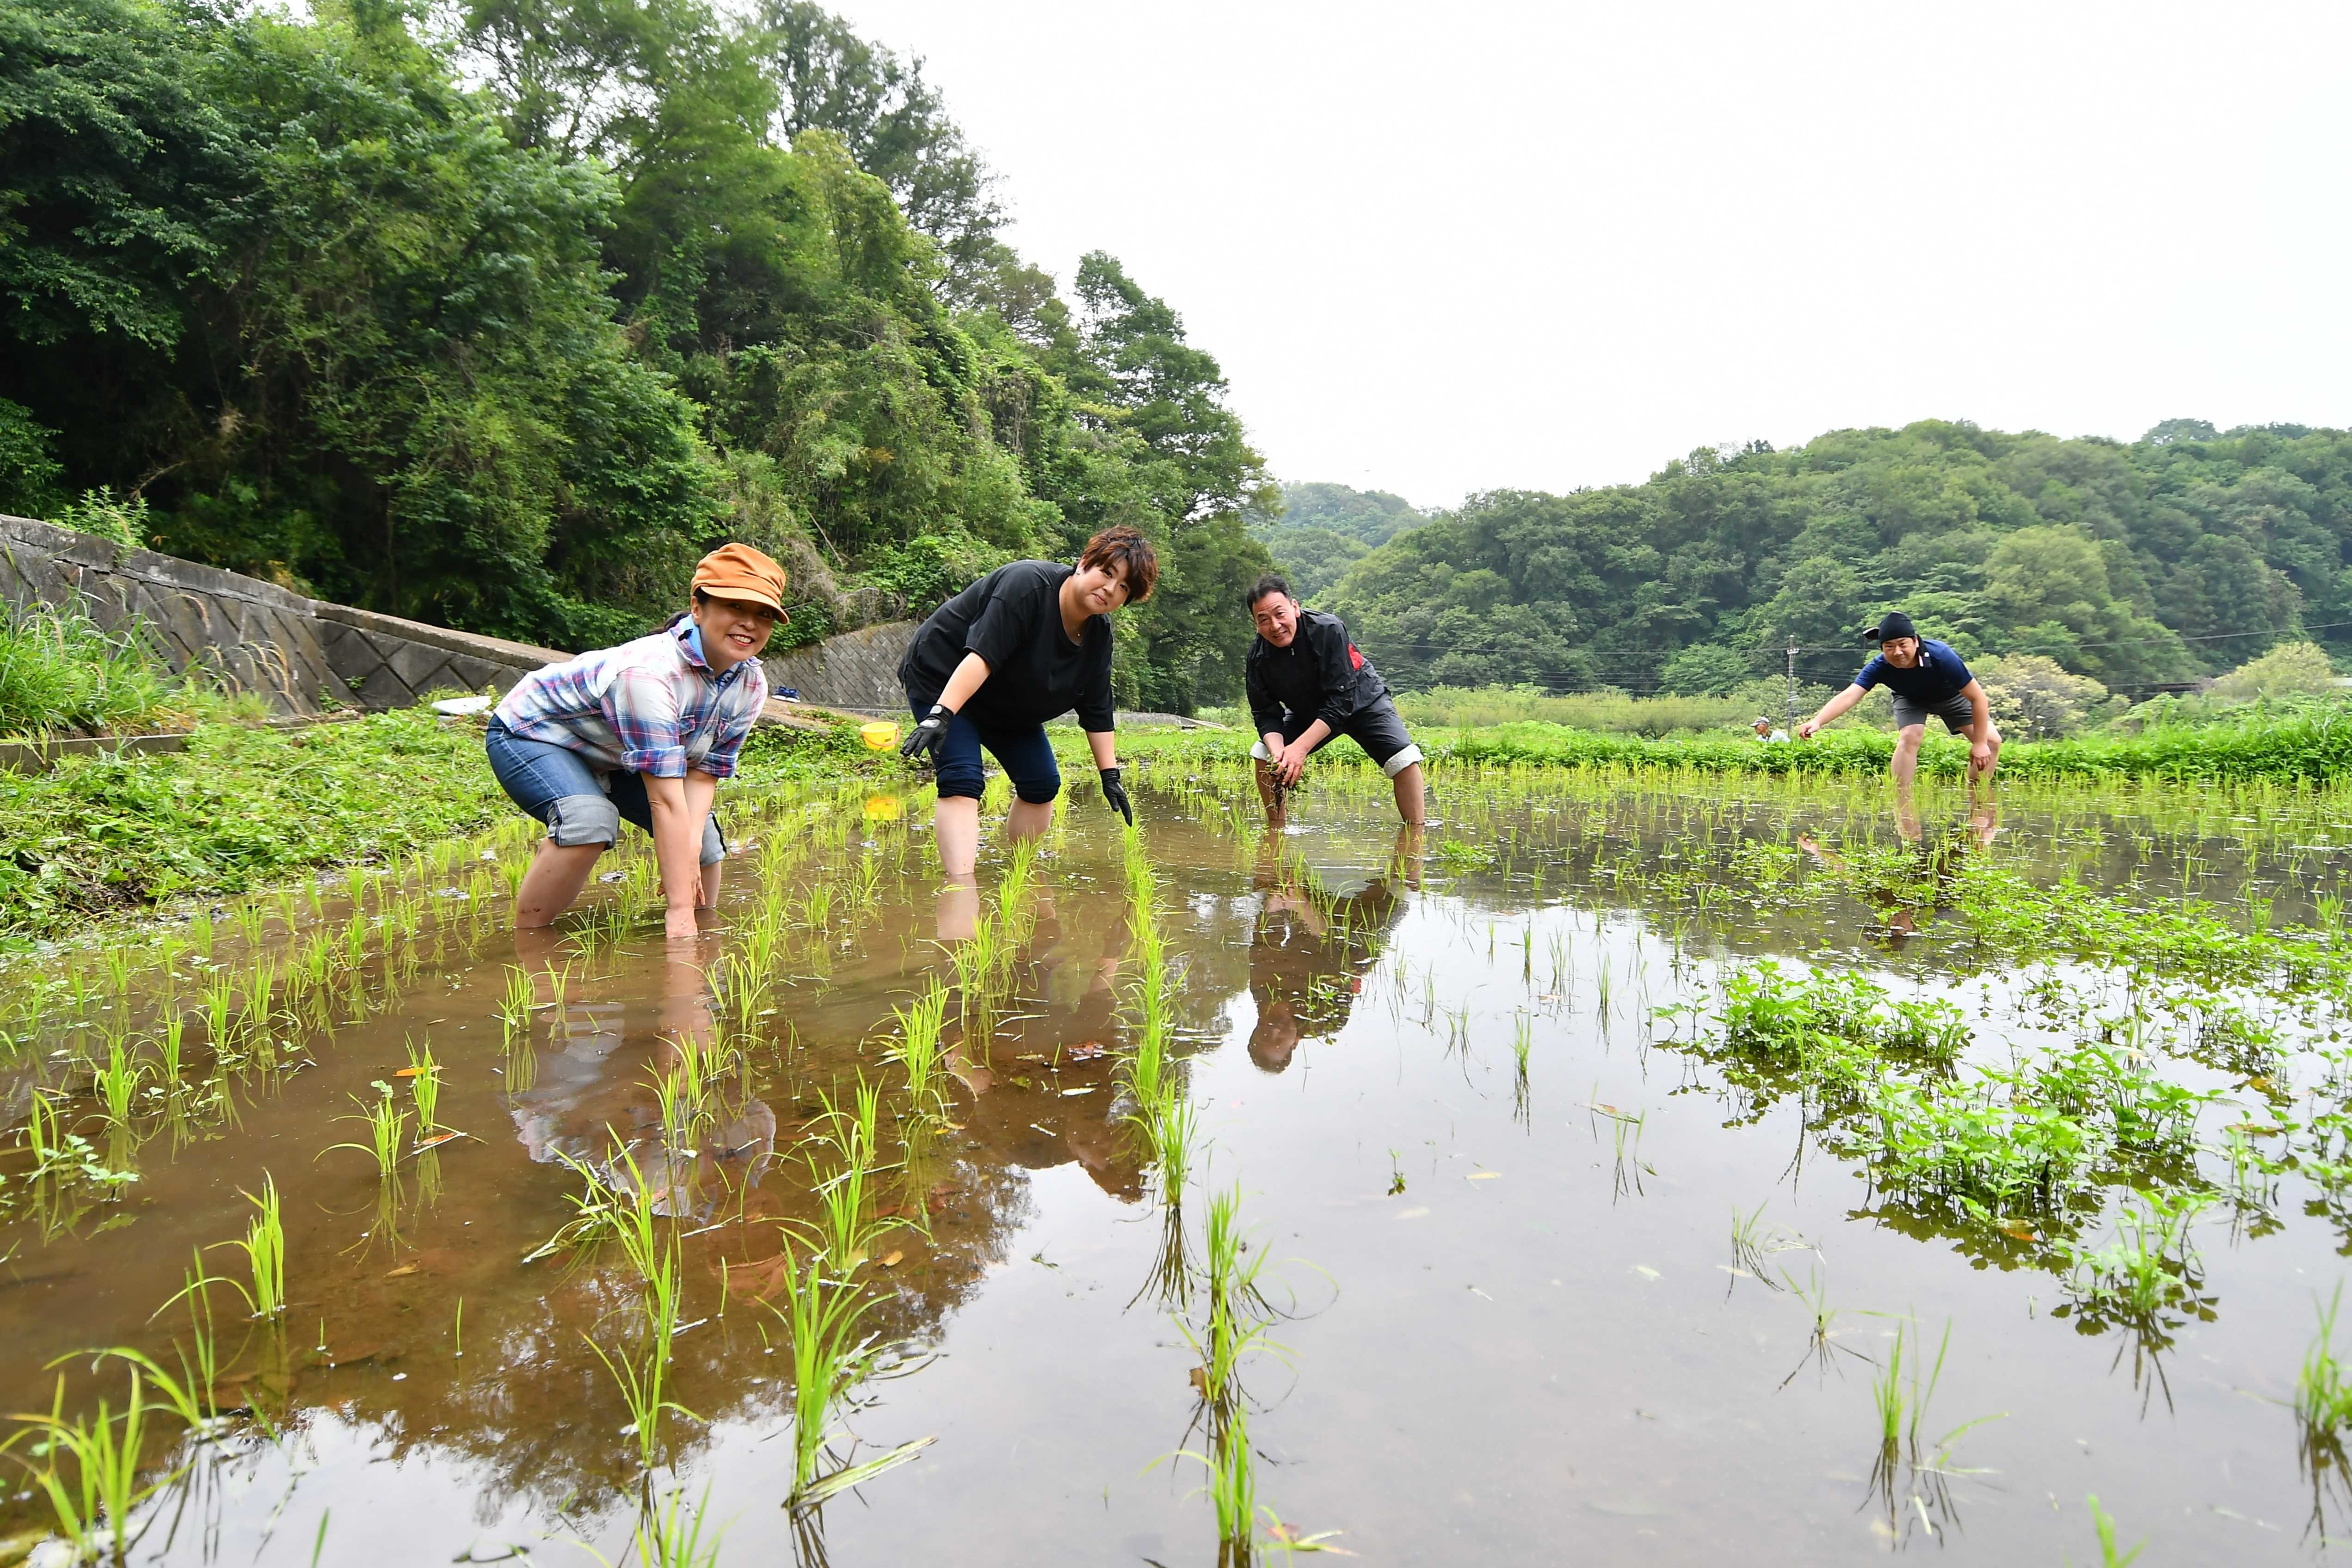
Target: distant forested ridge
[(1324, 529), (500, 320), (2174, 556)]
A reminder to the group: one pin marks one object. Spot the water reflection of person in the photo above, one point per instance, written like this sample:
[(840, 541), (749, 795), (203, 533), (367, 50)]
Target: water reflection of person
[(593, 1103), (1936, 860), (1038, 1112), (1308, 955)]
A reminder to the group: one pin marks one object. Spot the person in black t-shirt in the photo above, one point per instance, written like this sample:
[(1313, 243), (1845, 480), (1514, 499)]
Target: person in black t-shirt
[(1029, 641), (1927, 679), (1307, 683)]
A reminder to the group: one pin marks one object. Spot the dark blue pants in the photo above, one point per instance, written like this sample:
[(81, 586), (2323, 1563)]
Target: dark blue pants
[(1024, 753)]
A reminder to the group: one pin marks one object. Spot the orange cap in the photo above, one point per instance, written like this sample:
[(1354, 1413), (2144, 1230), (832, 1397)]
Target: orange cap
[(739, 571)]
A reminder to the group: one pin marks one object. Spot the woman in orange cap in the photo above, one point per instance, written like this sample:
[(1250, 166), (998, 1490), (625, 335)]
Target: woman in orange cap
[(641, 733)]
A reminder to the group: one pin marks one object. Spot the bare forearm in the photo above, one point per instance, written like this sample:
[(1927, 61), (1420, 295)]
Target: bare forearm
[(968, 678), (678, 836), (1104, 744), (1313, 736)]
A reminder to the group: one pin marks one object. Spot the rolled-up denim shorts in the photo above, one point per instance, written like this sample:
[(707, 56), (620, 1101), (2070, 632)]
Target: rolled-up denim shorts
[(1024, 752), (580, 804)]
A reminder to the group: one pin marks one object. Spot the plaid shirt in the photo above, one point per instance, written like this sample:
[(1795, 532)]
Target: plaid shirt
[(649, 707)]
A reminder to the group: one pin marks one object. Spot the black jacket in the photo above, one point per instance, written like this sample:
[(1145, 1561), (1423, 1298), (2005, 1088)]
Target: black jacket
[(1319, 673)]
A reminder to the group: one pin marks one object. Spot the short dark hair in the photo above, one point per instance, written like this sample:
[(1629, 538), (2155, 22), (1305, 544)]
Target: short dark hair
[(1125, 547), (1272, 582)]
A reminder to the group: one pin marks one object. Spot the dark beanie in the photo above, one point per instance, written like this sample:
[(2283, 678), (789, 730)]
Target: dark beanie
[(1891, 625)]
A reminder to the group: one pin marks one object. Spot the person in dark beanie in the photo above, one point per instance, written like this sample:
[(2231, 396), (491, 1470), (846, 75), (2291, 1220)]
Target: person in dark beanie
[(1927, 680), (1029, 641), (1307, 683)]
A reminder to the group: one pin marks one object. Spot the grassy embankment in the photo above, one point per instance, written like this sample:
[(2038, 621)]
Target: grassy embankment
[(2313, 747), (243, 806)]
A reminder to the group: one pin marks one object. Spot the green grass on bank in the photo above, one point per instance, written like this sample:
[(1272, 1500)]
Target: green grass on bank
[(242, 807), (2313, 746)]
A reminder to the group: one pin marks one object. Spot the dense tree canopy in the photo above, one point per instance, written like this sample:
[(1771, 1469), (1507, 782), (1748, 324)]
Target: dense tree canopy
[(1324, 529), (2144, 564), (503, 328)]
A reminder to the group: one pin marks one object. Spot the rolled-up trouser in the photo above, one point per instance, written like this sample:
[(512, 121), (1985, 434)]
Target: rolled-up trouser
[(1026, 754), (1378, 727), (580, 804)]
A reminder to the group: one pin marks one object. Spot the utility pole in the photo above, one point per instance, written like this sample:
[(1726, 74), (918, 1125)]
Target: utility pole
[(1792, 685)]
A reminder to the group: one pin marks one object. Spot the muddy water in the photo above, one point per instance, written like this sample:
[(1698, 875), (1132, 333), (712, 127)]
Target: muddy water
[(1512, 1327)]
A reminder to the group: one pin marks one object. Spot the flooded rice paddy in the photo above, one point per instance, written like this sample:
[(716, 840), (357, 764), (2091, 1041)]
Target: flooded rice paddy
[(1634, 1170)]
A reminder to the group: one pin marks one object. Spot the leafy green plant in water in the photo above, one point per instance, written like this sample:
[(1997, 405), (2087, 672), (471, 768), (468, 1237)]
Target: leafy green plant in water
[(264, 1246), (118, 1081), (643, 1382), (95, 1511), (2147, 1268), (821, 1316), (385, 1121), (2110, 1554), (670, 1536), (423, 1076), (918, 1050)]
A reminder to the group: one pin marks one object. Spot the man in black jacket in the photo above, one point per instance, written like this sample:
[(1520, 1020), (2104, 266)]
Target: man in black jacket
[(1307, 683)]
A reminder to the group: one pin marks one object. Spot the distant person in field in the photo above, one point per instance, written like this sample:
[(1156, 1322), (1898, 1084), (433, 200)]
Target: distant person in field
[(1927, 680), (1307, 683), (1768, 732)]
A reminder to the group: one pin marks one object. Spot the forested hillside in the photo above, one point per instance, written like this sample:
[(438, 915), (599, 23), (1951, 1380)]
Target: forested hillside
[(501, 326), (2179, 555), (1324, 529)]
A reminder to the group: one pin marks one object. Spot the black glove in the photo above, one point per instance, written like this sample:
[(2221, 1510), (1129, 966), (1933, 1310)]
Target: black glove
[(923, 742), (1114, 795)]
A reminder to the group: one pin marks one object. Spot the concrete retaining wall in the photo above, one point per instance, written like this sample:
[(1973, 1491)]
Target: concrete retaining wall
[(855, 670), (305, 654)]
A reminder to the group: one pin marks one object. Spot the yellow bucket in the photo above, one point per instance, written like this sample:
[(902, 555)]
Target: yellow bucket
[(882, 807), (881, 734)]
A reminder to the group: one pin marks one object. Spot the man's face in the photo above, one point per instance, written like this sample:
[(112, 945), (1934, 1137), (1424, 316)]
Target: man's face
[(1277, 618), (1763, 726), (1901, 652)]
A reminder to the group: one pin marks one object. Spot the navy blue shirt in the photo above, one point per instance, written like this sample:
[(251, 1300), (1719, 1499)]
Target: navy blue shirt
[(1938, 675)]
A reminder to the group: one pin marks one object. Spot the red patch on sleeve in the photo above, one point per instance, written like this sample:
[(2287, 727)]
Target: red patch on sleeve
[(1355, 660)]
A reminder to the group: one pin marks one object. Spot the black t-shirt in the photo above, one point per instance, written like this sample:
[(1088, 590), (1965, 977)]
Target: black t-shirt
[(1012, 619), (1321, 674)]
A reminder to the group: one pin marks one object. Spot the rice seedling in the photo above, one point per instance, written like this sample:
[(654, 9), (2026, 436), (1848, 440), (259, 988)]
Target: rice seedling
[(172, 1040), (203, 1374), (220, 997), (2148, 1265), (264, 1246), (642, 1384), (2323, 1401), (424, 1075), (821, 1316), (918, 1050), (118, 1081), (520, 996), (670, 1536), (96, 1511), (2110, 1554), (385, 1121)]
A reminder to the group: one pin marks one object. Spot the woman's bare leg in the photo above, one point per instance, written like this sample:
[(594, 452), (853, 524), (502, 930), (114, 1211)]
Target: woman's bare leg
[(557, 873), (1029, 819), (957, 822)]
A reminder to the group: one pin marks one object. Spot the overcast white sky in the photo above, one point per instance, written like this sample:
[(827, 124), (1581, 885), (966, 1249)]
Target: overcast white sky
[(1442, 249)]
